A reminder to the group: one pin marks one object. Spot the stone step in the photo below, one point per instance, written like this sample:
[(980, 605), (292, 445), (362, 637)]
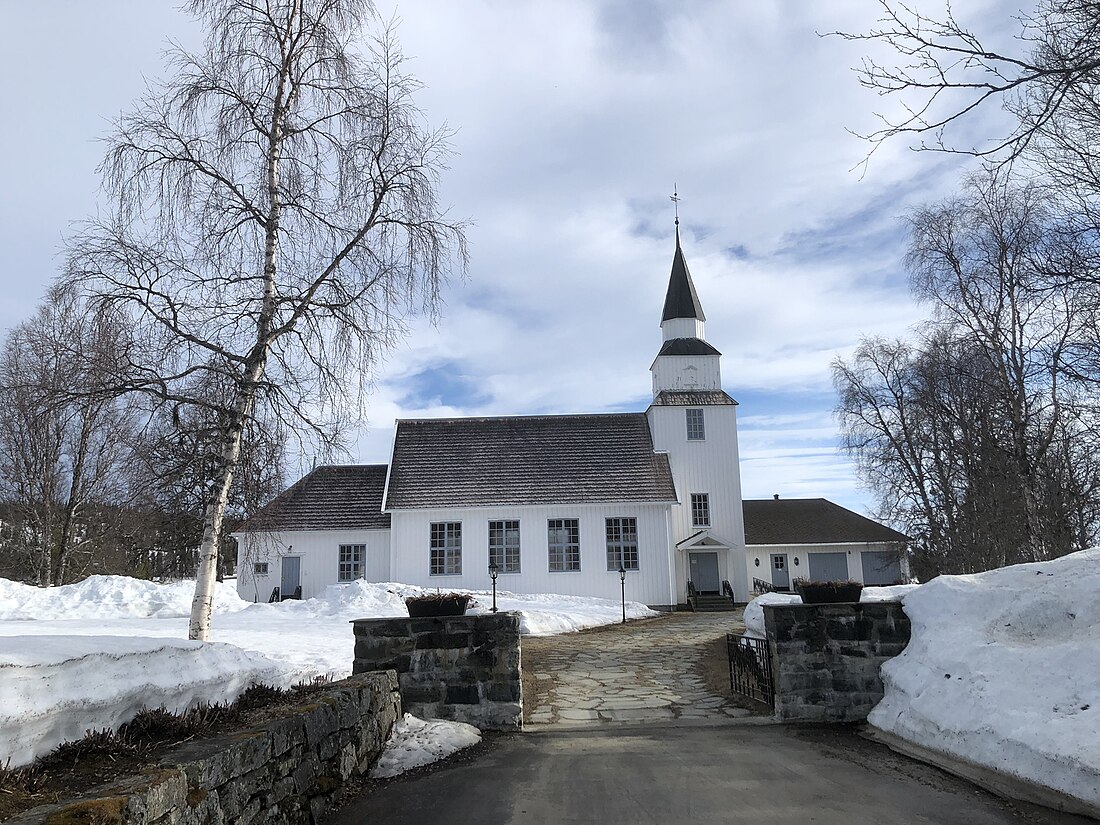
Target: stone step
[(712, 604)]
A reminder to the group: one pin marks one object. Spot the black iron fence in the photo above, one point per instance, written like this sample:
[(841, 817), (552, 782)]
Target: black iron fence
[(761, 586), (750, 668)]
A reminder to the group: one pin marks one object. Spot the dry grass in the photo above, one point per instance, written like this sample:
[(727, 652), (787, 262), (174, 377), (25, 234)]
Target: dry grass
[(103, 756)]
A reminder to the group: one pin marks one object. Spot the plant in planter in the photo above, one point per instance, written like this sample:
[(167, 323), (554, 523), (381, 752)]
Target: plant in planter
[(438, 604), (828, 592)]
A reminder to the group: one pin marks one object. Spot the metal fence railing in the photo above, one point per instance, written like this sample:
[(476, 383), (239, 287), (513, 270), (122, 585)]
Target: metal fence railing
[(750, 668), (761, 586)]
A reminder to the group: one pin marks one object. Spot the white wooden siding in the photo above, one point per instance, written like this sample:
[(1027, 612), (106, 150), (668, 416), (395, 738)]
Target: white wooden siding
[(671, 372), (800, 570), (320, 554), (708, 466), (681, 328), (409, 550)]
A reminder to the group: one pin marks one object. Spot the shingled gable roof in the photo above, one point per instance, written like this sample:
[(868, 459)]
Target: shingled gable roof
[(687, 346), (810, 521), (681, 300), (692, 398), (329, 498), (515, 460)]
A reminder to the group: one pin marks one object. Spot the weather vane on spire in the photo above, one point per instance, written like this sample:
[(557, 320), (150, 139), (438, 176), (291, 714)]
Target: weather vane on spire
[(675, 198)]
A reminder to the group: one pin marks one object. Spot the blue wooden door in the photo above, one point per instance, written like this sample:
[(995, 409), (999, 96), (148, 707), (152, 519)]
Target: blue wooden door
[(781, 577), (704, 572)]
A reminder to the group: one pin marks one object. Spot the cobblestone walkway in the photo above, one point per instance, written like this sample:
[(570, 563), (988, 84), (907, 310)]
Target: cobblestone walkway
[(653, 670)]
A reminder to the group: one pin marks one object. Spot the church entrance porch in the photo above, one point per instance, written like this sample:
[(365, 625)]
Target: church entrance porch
[(654, 670)]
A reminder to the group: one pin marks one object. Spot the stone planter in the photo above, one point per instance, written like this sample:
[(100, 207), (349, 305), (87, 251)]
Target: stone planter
[(828, 592), (445, 604)]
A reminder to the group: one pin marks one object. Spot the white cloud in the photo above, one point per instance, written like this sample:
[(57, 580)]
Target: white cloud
[(574, 119)]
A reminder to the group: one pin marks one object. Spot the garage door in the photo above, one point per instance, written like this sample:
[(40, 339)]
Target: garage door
[(881, 567), (828, 567)]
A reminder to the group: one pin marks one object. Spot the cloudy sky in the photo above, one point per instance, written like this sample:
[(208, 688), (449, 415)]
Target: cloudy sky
[(573, 120)]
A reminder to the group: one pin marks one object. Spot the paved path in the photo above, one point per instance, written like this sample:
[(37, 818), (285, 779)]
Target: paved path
[(646, 671), (736, 773)]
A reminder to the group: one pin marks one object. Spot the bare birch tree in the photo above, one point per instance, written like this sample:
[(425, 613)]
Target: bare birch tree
[(65, 436), (1047, 78), (275, 218)]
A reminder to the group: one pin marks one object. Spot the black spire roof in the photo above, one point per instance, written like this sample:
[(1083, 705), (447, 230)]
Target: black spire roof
[(681, 300)]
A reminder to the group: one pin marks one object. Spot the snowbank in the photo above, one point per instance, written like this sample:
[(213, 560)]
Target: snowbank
[(91, 655), (542, 614), (54, 689), (108, 597), (1003, 670), (415, 742), (754, 611)]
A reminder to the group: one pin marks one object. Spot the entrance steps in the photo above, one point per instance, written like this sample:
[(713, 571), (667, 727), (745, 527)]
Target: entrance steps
[(711, 603)]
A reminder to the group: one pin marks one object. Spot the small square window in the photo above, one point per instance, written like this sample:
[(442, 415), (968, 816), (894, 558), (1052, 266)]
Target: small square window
[(695, 429), (260, 568), (700, 510)]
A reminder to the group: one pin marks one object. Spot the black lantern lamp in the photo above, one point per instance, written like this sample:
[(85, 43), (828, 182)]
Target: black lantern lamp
[(493, 571), (622, 581)]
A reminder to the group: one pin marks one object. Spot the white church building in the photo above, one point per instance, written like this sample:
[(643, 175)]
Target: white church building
[(558, 503)]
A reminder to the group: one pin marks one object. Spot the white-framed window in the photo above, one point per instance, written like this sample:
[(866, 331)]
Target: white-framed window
[(351, 562), (700, 510), (260, 568), (446, 551), (695, 429), (622, 543), (504, 545), (563, 539)]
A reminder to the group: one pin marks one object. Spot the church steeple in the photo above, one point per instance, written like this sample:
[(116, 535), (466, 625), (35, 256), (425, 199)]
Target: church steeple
[(686, 361), (681, 300)]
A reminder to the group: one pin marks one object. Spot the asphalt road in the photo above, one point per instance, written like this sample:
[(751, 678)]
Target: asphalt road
[(731, 773)]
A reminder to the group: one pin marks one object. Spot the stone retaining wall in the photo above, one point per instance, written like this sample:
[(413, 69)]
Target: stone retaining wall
[(284, 771), (463, 668), (826, 657)]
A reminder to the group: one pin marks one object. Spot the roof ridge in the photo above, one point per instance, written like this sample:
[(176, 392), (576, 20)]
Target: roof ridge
[(537, 417)]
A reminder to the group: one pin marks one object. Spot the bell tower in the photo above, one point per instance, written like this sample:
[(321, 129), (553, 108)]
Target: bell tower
[(685, 361), (694, 422)]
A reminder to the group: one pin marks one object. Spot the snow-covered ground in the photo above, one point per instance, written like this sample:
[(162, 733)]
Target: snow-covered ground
[(415, 742), (1003, 670), (88, 655)]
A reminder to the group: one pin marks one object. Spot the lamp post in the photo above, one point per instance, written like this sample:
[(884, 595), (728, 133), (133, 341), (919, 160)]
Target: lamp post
[(493, 571), (622, 581)]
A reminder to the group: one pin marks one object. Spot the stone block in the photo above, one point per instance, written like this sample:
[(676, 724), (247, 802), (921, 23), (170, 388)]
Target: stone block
[(420, 689), (442, 641), (462, 694), (401, 663), (502, 691), (306, 774)]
